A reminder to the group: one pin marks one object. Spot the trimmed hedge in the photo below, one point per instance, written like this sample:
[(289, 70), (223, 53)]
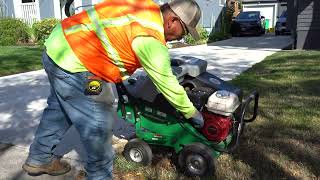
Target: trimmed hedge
[(42, 29), (13, 31)]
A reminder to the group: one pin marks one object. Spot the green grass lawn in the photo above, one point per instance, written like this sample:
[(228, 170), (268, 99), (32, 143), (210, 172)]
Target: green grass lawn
[(18, 59), (283, 142)]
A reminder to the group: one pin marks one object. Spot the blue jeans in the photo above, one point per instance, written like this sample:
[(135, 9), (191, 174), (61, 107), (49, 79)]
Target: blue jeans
[(92, 116)]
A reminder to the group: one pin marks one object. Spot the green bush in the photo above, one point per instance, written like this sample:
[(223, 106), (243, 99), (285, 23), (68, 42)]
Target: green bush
[(43, 28), (203, 37), (218, 36), (13, 31), (224, 32)]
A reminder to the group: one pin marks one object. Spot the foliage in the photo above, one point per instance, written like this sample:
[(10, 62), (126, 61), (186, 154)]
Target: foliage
[(13, 31), (43, 29), (203, 37), (226, 20), (218, 36), (240, 6)]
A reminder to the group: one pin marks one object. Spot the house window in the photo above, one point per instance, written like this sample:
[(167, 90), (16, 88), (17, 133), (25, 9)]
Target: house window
[(28, 1), (222, 2)]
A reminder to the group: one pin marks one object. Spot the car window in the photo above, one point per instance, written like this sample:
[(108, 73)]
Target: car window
[(248, 15), (284, 14)]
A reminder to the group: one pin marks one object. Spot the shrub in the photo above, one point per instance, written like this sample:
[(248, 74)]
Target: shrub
[(203, 37), (43, 28), (218, 36), (224, 32), (13, 31)]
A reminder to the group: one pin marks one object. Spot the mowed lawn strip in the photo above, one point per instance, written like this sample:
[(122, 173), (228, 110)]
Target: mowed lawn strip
[(19, 59)]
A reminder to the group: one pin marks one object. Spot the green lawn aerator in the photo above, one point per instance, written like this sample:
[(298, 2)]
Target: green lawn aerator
[(157, 123)]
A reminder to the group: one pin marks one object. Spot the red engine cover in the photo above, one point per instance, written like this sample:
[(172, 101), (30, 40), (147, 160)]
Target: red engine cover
[(216, 127)]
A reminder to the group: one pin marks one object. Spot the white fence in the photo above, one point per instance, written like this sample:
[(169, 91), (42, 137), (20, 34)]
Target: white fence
[(30, 12), (3, 9)]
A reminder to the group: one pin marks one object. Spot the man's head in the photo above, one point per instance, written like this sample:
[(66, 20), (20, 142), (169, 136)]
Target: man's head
[(180, 18)]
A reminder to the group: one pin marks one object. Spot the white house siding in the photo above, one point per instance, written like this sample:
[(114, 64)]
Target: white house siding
[(211, 9), (211, 14), (10, 8), (47, 9), (87, 4)]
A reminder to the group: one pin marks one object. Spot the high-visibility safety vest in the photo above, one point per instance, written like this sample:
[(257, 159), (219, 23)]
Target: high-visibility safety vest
[(101, 37)]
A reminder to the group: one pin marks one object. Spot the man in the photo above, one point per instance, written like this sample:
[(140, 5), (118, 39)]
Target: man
[(106, 43)]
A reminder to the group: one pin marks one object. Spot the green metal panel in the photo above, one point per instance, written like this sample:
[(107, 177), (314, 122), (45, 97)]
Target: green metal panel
[(158, 128)]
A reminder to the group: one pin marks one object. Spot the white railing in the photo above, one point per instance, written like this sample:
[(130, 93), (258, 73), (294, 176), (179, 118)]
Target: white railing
[(30, 12), (3, 9)]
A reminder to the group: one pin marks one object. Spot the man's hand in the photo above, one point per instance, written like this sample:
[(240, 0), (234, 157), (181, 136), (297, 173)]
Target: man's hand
[(197, 120)]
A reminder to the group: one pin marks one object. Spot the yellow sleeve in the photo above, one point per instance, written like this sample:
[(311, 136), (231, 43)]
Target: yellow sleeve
[(154, 58)]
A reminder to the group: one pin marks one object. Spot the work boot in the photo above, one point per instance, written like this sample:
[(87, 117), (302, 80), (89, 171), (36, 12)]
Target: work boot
[(82, 175), (55, 168)]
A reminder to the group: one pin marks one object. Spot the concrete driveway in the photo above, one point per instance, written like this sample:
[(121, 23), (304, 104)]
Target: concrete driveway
[(23, 98)]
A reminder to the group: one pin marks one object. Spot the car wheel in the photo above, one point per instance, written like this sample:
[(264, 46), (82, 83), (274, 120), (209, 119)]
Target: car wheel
[(138, 151), (196, 160), (277, 33)]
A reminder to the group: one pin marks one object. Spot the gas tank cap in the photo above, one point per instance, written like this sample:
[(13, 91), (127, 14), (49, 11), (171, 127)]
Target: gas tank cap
[(223, 94)]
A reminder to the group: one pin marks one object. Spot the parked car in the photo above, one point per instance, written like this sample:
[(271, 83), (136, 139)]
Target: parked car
[(249, 22), (281, 24)]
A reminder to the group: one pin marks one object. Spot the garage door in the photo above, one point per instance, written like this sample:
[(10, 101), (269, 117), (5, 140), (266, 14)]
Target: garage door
[(268, 11)]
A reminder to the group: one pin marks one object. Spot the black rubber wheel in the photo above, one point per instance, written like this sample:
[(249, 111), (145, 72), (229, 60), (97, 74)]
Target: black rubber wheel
[(67, 8), (138, 151), (196, 160)]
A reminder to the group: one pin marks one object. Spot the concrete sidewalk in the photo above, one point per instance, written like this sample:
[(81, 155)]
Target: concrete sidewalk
[(23, 98)]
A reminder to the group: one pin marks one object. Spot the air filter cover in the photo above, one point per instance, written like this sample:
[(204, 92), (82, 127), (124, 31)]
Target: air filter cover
[(223, 102)]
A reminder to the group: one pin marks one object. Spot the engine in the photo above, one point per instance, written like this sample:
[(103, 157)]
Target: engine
[(217, 109), (216, 99)]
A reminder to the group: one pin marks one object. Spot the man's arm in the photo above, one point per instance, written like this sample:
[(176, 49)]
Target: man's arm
[(154, 58)]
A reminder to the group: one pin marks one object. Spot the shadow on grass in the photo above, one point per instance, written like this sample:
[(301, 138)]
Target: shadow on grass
[(283, 143), (285, 139)]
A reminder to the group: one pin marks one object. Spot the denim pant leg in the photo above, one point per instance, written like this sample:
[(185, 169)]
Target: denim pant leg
[(52, 127), (95, 130), (92, 116)]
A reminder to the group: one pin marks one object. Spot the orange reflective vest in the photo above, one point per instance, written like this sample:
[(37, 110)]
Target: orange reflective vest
[(101, 37)]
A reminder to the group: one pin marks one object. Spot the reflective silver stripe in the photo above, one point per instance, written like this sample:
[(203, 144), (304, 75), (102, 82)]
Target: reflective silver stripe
[(78, 28), (113, 22), (129, 18), (111, 51)]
